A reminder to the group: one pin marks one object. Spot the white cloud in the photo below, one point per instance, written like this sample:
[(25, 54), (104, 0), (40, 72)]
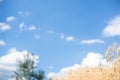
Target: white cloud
[(74, 67), (22, 25), (63, 71), (113, 28), (51, 67), (91, 41), (4, 26), (51, 74), (20, 12), (2, 43), (24, 13), (91, 60), (67, 38), (32, 27), (8, 62), (27, 13), (37, 36), (11, 18), (70, 38), (50, 32), (62, 36)]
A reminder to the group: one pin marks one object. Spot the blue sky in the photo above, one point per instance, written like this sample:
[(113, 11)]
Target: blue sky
[(60, 32)]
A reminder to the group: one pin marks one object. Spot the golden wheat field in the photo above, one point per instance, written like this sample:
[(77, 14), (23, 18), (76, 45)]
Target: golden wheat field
[(101, 72)]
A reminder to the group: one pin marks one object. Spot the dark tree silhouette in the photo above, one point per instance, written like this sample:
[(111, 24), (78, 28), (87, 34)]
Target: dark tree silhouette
[(27, 69)]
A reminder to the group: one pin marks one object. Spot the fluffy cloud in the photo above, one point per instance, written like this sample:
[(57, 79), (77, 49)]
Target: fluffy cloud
[(91, 60), (67, 38), (24, 13), (21, 25), (91, 41), (32, 27), (51, 74), (113, 28), (62, 36), (70, 38), (2, 43), (11, 18), (37, 36), (50, 32), (63, 71), (9, 62), (51, 67), (4, 26), (74, 67)]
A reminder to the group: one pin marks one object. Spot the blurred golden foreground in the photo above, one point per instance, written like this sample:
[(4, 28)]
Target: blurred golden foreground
[(101, 72)]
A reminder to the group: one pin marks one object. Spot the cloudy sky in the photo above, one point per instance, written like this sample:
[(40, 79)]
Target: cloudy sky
[(63, 33)]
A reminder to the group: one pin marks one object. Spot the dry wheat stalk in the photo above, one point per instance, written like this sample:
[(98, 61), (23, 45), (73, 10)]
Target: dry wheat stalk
[(108, 51), (96, 73), (118, 51), (110, 57)]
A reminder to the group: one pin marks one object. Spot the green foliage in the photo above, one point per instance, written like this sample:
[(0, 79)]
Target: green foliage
[(27, 69)]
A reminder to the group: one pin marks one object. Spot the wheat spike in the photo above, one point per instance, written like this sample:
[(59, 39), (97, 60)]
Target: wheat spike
[(101, 72), (108, 51), (113, 47), (110, 57), (118, 51)]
